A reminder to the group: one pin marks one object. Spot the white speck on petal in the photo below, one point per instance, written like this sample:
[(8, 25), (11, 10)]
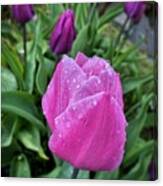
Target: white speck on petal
[(94, 102), (68, 125), (74, 80), (78, 86), (80, 116), (60, 135)]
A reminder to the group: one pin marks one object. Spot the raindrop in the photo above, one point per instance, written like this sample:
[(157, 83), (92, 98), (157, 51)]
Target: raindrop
[(99, 81), (68, 125), (60, 135), (74, 80), (94, 102), (78, 86), (80, 116), (44, 112)]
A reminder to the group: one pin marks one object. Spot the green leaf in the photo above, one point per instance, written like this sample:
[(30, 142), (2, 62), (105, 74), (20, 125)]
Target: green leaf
[(41, 76), (11, 58), (83, 174), (8, 152), (30, 138), (49, 66), (110, 14), (80, 42), (8, 127), (129, 84), (136, 124), (8, 80), (104, 175), (140, 170), (31, 60), (20, 167), (53, 174), (22, 104), (66, 171), (138, 147), (81, 15)]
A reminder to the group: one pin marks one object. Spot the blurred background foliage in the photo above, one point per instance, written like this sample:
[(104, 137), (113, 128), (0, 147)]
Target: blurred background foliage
[(24, 131)]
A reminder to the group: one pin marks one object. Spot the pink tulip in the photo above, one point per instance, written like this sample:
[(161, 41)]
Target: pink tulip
[(83, 105)]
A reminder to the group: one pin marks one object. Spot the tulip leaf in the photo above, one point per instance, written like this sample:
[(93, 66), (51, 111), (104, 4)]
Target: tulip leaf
[(138, 147), (49, 66), (110, 14), (11, 58), (8, 80), (136, 125), (66, 171), (8, 127), (41, 76), (129, 84), (21, 103), (83, 174), (30, 138), (81, 15), (139, 171), (30, 67), (80, 42), (53, 174), (104, 175), (20, 167), (8, 152)]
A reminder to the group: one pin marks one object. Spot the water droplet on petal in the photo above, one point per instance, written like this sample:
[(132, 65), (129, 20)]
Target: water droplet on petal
[(68, 125), (78, 86), (74, 80), (99, 81), (94, 102), (60, 135), (80, 116)]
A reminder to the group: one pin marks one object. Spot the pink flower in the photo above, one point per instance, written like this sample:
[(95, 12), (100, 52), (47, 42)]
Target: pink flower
[(83, 105)]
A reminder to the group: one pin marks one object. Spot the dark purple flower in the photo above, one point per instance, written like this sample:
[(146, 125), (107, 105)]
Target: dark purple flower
[(22, 13), (63, 34), (134, 10)]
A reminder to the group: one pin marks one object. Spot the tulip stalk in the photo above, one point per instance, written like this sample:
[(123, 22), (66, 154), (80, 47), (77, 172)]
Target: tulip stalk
[(75, 173), (118, 39)]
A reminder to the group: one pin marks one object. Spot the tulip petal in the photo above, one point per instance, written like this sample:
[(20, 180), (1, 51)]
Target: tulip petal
[(90, 134), (64, 83), (81, 59), (112, 84)]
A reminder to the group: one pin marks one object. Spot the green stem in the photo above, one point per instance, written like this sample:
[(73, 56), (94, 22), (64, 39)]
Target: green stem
[(24, 41), (75, 173), (117, 41)]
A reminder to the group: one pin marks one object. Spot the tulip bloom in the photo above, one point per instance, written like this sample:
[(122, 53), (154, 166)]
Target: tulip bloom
[(63, 34), (83, 105), (135, 10), (22, 13)]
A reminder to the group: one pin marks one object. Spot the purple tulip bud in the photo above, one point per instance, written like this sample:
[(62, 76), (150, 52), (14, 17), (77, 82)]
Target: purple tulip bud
[(135, 10), (63, 34), (22, 13)]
